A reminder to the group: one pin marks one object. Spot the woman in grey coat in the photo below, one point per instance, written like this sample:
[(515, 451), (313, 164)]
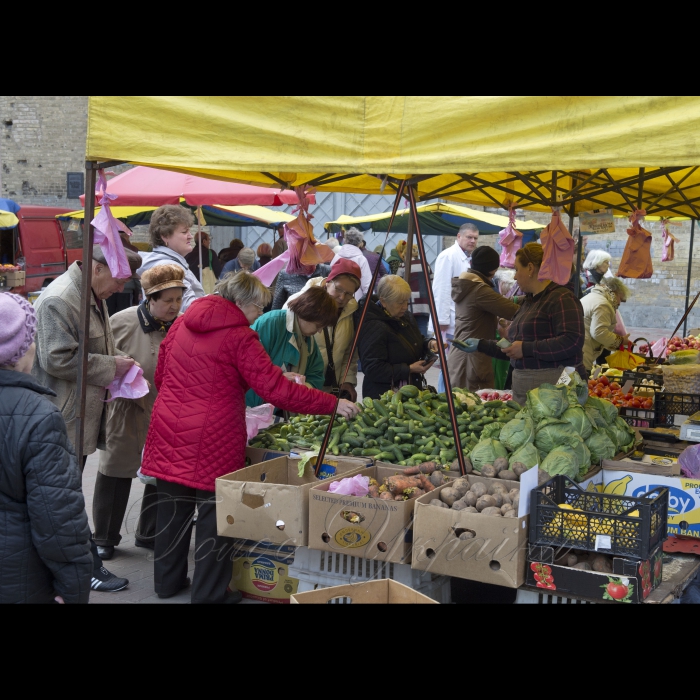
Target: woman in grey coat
[(44, 539)]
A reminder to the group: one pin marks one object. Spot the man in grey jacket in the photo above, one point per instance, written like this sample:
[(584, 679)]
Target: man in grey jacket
[(56, 363)]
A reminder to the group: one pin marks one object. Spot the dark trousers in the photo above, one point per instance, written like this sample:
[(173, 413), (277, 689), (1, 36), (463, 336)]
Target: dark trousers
[(213, 563), (109, 505), (96, 559)]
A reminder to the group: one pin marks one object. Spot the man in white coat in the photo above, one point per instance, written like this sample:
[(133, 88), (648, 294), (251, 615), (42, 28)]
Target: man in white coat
[(451, 263), (350, 250)]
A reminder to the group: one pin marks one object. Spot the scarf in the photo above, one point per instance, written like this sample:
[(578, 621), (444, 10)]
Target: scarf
[(610, 296), (149, 324)]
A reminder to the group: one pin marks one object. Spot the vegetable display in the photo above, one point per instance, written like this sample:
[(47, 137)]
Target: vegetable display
[(495, 499)]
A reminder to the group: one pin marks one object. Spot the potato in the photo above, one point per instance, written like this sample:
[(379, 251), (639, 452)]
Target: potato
[(470, 499), (516, 503), (511, 514), (459, 505), (437, 478), (601, 564), (498, 498), (571, 560), (471, 509), (518, 468), (437, 502), (505, 508), (496, 488), (454, 467), (543, 477), (513, 494), (449, 496), (488, 471), (507, 475), (507, 500), (467, 535), (501, 464), (485, 502), (479, 490), (461, 485), (494, 512), (582, 566)]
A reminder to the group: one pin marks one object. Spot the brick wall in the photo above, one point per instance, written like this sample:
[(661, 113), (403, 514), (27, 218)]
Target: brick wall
[(41, 140)]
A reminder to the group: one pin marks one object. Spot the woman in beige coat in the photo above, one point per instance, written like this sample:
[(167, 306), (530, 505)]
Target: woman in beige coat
[(478, 307), (138, 332)]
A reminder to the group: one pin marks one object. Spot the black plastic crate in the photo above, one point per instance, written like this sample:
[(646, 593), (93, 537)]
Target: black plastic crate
[(597, 514), (640, 417), (668, 406), (654, 381)]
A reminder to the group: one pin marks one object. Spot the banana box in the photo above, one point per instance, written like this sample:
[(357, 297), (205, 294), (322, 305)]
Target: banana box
[(263, 574), (683, 497)]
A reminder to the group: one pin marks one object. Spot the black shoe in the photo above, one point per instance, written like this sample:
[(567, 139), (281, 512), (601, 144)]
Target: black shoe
[(105, 553), (145, 545), (233, 597), (186, 584), (106, 582)]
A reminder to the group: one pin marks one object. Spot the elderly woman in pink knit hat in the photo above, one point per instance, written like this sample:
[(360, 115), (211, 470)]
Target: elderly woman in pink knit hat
[(44, 540)]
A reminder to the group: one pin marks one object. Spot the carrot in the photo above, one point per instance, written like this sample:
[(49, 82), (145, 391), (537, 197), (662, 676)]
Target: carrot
[(398, 484), (425, 483), (425, 468), (386, 496), (411, 471), (373, 492)]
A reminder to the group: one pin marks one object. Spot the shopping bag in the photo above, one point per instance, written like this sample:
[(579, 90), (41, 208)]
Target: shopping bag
[(624, 358)]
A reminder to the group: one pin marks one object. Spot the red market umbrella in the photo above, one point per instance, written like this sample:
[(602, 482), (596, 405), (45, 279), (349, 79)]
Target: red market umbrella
[(152, 187)]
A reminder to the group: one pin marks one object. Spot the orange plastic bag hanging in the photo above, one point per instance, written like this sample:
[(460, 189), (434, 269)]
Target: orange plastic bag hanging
[(636, 260)]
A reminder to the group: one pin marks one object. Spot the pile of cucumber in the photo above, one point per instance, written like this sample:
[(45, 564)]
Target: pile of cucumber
[(406, 428)]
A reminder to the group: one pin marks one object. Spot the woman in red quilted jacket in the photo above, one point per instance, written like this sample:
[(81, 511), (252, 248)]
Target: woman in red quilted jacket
[(207, 363)]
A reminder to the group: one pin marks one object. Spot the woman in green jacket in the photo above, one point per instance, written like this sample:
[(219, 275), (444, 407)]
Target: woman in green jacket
[(288, 337)]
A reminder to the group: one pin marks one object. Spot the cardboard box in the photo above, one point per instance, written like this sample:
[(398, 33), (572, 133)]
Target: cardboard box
[(383, 592), (15, 279), (270, 501), (263, 575), (497, 554), (684, 497), (631, 581), (257, 455), (369, 528), (663, 460)]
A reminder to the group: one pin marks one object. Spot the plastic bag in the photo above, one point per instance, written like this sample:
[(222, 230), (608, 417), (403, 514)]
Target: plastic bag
[(690, 462), (259, 418), (624, 359), (636, 258), (131, 386), (357, 486)]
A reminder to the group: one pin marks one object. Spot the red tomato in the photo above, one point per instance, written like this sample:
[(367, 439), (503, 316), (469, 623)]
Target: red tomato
[(615, 386), (648, 403), (617, 591), (604, 380)]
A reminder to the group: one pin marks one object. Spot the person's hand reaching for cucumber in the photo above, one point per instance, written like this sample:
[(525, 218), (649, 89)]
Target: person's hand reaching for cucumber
[(470, 345)]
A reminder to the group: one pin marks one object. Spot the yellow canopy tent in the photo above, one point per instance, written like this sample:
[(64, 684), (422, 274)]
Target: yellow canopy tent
[(581, 153), (8, 219)]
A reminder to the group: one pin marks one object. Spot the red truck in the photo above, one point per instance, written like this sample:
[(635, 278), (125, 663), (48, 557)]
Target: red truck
[(48, 245)]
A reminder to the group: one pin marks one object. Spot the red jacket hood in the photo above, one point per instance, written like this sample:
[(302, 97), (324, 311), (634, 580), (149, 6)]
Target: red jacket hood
[(213, 313)]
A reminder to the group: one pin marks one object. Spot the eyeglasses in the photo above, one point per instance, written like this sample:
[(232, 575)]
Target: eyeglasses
[(262, 308), (341, 291)]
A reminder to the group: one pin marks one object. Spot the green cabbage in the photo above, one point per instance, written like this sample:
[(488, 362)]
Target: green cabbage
[(547, 402), (594, 416), (486, 452), (552, 433), (622, 425), (607, 410), (517, 432), (577, 390), (527, 455), (579, 420), (561, 460), (583, 454), (601, 446), (492, 430)]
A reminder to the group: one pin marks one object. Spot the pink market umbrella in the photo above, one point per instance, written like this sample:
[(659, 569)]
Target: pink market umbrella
[(152, 187)]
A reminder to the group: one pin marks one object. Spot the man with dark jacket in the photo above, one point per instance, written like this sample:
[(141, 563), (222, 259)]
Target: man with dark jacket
[(44, 539)]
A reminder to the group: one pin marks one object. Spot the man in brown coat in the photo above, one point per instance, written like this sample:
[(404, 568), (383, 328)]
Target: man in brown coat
[(478, 306)]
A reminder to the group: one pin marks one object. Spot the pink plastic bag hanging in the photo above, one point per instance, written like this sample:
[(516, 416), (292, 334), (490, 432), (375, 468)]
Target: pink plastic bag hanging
[(131, 386), (636, 258), (558, 247), (669, 243), (259, 418), (659, 349), (107, 230), (511, 241)]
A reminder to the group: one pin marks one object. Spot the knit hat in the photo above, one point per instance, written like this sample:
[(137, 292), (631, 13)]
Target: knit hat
[(162, 277), (345, 267), (17, 328), (485, 260)]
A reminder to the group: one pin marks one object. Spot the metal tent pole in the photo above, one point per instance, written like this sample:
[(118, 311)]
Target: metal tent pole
[(85, 297), (690, 272), (408, 255)]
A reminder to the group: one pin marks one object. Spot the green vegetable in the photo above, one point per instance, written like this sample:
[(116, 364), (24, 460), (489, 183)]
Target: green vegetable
[(684, 357), (561, 460), (552, 433), (580, 422), (492, 430), (547, 402), (517, 432), (527, 455), (601, 446), (607, 410), (486, 452)]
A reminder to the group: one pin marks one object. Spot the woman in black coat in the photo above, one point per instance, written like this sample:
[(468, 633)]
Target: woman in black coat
[(44, 539), (390, 346)]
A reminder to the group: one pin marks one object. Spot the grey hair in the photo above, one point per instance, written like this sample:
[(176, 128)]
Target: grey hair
[(393, 289), (617, 286), (243, 288), (467, 227), (246, 256), (354, 237), (596, 258), (505, 279), (332, 243)]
